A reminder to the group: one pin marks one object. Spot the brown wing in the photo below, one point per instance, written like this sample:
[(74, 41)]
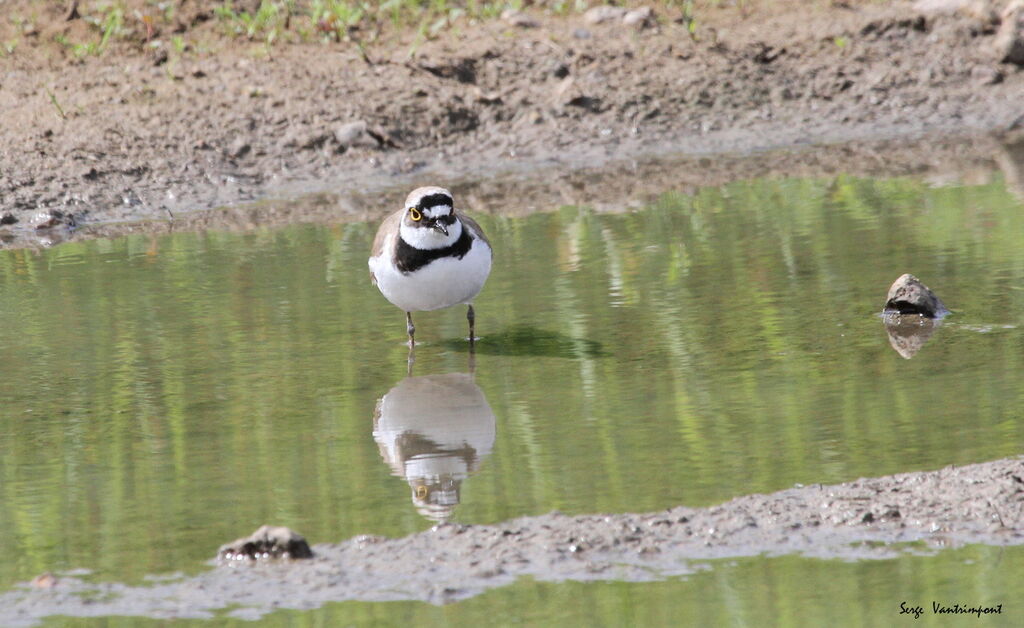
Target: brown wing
[(473, 227), (387, 229)]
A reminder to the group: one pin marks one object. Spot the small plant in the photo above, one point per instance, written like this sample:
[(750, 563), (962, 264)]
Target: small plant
[(334, 18), (401, 12), (56, 105), (356, 21), (79, 50), (689, 20), (148, 22), (110, 24), (269, 20), (421, 36), (565, 7)]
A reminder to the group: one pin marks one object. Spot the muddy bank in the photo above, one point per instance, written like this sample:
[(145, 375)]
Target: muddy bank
[(980, 503), (129, 136), (614, 186)]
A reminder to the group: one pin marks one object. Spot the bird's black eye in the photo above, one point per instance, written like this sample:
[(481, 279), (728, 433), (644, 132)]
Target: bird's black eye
[(414, 214)]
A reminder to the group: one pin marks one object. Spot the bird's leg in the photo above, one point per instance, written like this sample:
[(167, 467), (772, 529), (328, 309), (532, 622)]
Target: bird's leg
[(410, 361), (471, 317), (411, 329)]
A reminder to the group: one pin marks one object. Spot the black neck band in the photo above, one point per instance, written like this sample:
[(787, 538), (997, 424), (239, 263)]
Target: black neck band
[(409, 259)]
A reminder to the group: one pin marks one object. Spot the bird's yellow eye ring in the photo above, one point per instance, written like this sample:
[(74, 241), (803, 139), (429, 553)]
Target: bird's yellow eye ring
[(414, 214), (421, 492)]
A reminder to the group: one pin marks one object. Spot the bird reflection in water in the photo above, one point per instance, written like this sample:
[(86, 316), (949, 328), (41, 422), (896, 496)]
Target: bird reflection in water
[(434, 431)]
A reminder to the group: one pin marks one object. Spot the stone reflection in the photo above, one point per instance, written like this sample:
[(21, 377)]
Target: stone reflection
[(434, 431), (908, 333)]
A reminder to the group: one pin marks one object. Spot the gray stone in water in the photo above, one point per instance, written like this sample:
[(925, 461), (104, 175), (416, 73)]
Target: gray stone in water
[(267, 542), (908, 295)]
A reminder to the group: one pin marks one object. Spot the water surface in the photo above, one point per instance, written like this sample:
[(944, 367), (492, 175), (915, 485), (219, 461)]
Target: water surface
[(164, 394)]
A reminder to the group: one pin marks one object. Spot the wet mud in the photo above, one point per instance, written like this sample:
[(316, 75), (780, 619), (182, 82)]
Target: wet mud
[(609, 186)]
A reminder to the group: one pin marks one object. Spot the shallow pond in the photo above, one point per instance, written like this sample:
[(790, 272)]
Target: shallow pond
[(164, 394)]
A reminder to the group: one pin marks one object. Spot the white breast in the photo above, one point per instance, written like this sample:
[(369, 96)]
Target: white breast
[(442, 283)]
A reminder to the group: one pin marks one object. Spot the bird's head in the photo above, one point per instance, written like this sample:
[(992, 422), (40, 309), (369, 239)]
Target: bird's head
[(431, 208)]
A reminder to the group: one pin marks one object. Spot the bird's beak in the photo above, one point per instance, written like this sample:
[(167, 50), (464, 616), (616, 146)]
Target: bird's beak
[(440, 227)]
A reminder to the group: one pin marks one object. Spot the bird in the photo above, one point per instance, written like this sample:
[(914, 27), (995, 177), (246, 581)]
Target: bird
[(428, 256)]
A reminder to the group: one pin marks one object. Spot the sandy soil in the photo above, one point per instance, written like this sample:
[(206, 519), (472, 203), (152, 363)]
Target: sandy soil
[(136, 134), (867, 518)]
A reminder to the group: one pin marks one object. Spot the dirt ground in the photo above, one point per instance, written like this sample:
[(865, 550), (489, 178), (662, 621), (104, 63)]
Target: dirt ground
[(867, 518), (150, 134)]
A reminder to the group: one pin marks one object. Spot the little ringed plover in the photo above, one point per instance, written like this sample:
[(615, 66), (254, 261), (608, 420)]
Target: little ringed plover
[(429, 256)]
